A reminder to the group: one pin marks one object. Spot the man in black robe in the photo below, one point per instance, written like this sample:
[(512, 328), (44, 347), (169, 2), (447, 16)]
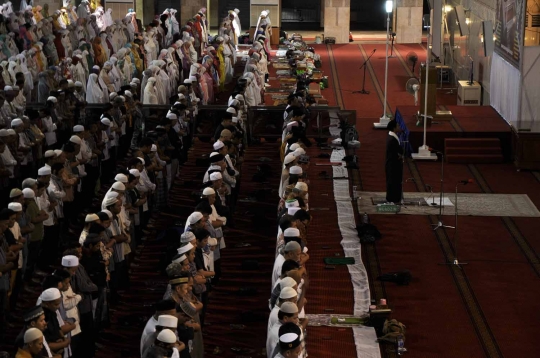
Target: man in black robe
[(393, 164)]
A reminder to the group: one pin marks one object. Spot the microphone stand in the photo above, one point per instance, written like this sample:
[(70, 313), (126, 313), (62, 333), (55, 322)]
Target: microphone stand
[(440, 224), (393, 34), (405, 144), (456, 262), (363, 91)]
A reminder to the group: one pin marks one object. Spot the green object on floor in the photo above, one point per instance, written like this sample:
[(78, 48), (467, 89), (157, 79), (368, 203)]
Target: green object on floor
[(339, 260)]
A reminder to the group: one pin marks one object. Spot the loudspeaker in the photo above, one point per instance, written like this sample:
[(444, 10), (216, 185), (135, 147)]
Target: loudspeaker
[(488, 38), (462, 21), (330, 40)]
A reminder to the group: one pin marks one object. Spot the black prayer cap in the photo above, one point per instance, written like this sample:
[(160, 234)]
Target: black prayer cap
[(216, 158), (93, 238), (32, 313), (289, 336), (165, 305), (5, 214), (391, 125)]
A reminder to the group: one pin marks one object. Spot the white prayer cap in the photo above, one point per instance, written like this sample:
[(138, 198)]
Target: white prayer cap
[(28, 193), (185, 248), (167, 336), (31, 335), (136, 80), (78, 84), (294, 146), (239, 97), (288, 292), (119, 186), (291, 232), (3, 133), (218, 145), (289, 307), (231, 110), (187, 81), (49, 154), (186, 237), (194, 217), (44, 171), (216, 176), (11, 132), (8, 88), (110, 200), (128, 94), (298, 152), (122, 178), (181, 96), (91, 218), (153, 148), (292, 211), (289, 158), (75, 139), (172, 116), (70, 261), (301, 186), (292, 246), (50, 294), (212, 241), (295, 170), (106, 121), (291, 203), (58, 152), (52, 99), (180, 259), (193, 78), (16, 122), (287, 282), (78, 128), (135, 172), (235, 119), (208, 191), (17, 207), (167, 321)]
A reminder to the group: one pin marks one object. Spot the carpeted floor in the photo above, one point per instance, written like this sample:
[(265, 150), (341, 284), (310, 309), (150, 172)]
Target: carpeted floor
[(475, 312)]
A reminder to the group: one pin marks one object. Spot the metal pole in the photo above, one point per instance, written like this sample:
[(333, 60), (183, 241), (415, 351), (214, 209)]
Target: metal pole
[(426, 93), (384, 116)]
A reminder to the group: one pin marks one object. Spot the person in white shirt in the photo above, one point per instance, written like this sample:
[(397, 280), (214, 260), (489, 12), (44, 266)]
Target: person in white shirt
[(70, 299), (163, 307), (291, 251), (288, 294), (288, 312)]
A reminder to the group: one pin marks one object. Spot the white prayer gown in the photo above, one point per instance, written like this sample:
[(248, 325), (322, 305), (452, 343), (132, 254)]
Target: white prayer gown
[(94, 93)]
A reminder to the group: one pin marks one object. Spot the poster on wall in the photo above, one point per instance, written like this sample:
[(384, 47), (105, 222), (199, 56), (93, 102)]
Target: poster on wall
[(509, 25)]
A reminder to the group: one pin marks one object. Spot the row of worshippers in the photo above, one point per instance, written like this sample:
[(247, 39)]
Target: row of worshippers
[(196, 265), (290, 281), (117, 52), (108, 237), (41, 215)]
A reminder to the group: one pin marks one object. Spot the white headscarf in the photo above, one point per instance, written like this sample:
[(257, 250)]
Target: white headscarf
[(150, 92), (94, 94)]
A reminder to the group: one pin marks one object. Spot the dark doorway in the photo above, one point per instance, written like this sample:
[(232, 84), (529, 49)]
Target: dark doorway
[(368, 15), (301, 15), (242, 5)]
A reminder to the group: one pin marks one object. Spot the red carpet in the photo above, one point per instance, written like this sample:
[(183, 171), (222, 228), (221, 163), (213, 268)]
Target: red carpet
[(478, 312)]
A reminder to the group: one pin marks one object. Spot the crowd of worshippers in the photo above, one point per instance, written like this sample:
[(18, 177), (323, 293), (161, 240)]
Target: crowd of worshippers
[(175, 330), (286, 331), (77, 260), (101, 56)]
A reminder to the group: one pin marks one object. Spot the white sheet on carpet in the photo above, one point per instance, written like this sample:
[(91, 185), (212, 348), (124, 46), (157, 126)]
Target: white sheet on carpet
[(365, 338)]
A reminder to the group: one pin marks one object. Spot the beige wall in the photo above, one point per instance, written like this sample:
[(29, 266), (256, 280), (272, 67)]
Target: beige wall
[(337, 14), (408, 21), (189, 8)]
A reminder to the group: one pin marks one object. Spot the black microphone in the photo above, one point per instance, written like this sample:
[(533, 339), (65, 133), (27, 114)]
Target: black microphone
[(465, 182)]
